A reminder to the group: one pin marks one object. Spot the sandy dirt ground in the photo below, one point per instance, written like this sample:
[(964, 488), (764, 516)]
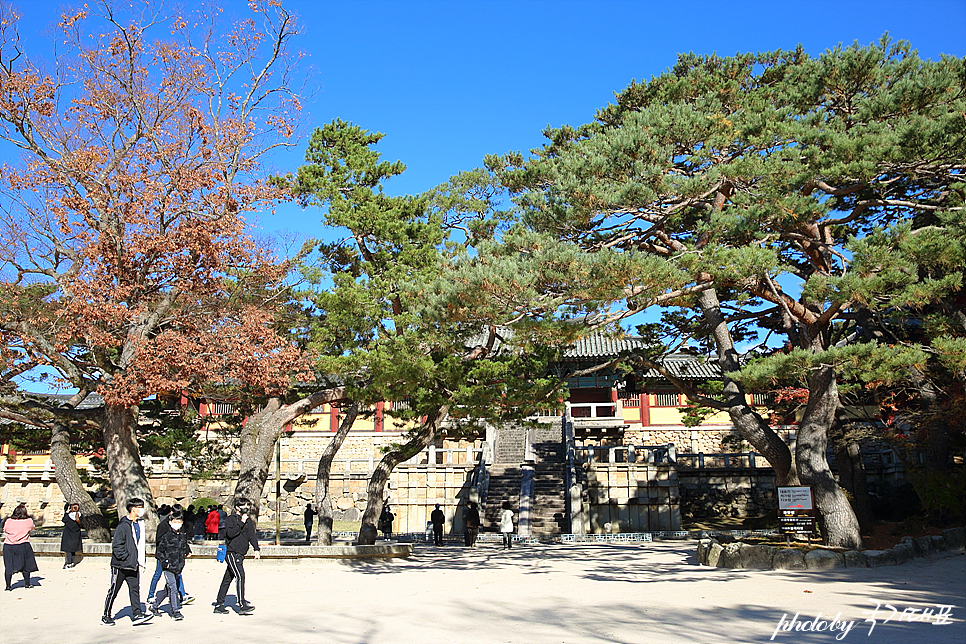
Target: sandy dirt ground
[(581, 594)]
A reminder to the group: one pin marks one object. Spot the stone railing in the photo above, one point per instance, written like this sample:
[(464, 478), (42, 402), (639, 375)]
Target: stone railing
[(626, 454)]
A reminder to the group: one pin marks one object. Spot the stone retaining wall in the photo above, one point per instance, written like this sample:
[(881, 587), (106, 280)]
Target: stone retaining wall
[(744, 555), (713, 493)]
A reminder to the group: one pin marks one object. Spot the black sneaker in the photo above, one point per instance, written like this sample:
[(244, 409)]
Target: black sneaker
[(177, 616), (155, 611), (220, 609), (245, 608), (141, 619), (107, 620)]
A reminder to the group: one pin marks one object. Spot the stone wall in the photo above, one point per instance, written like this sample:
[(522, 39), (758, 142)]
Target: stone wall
[(631, 497), (707, 440), (719, 493)]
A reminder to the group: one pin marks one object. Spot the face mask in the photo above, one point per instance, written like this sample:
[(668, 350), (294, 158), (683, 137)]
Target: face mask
[(176, 526), (139, 512), (74, 515)]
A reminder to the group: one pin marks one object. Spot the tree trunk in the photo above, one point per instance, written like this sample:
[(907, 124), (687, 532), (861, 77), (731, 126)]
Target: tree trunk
[(937, 428), (852, 476), (377, 483), (257, 449), (835, 515), (752, 427), (128, 481), (259, 435), (71, 486), (323, 502)]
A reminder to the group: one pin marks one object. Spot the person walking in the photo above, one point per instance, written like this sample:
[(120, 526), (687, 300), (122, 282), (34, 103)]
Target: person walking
[(506, 525), (163, 527), (171, 552), (472, 521), (18, 554), (438, 519), (239, 533), (70, 539), (309, 520), (127, 560)]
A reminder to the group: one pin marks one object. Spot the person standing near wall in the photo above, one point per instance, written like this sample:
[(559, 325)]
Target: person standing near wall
[(472, 523), (211, 523), (309, 520), (18, 554), (70, 539), (239, 533), (439, 520)]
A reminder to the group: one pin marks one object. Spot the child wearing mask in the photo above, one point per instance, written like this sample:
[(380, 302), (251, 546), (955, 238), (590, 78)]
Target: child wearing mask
[(171, 551)]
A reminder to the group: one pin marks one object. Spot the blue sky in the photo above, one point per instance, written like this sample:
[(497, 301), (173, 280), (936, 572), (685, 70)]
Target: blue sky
[(451, 81)]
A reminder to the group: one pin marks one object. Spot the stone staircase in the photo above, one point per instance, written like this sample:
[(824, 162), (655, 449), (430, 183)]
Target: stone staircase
[(548, 514), (504, 486)]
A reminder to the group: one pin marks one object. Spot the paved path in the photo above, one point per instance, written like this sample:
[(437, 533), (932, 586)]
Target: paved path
[(582, 594)]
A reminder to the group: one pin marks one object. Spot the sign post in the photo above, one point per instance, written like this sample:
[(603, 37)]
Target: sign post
[(796, 512)]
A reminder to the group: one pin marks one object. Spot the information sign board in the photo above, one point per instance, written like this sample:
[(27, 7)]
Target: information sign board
[(796, 513)]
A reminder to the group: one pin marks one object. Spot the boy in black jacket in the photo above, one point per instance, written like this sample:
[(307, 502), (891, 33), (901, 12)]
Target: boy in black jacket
[(239, 533), (171, 550), (127, 559)]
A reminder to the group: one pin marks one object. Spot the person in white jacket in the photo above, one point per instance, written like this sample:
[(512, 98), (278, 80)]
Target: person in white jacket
[(506, 525)]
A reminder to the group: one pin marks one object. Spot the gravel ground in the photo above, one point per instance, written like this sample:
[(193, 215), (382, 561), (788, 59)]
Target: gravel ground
[(533, 594)]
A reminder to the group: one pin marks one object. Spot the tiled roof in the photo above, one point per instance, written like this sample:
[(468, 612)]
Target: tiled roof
[(600, 346), (686, 366), (92, 401)]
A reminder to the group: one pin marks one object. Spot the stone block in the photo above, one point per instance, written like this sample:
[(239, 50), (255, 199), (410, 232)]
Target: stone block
[(955, 538), (789, 559), (856, 559), (702, 553), (757, 556), (822, 559), (938, 543), (714, 553), (904, 552), (924, 545), (879, 558), (730, 556)]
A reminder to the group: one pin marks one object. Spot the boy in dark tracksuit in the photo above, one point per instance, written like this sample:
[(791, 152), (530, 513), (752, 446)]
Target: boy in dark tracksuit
[(127, 559), (239, 534), (172, 549)]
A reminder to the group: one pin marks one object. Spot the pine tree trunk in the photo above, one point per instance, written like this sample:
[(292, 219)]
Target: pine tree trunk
[(257, 449), (258, 437), (746, 420), (380, 476), (852, 475), (71, 486), (323, 501), (128, 480), (835, 515)]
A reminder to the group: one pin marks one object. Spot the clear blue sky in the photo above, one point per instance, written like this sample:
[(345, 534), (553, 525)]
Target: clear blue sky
[(449, 81)]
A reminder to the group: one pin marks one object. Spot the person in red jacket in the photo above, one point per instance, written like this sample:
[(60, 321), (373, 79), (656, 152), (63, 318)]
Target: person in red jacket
[(211, 523)]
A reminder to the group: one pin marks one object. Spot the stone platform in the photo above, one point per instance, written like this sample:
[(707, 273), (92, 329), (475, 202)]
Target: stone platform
[(277, 553)]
